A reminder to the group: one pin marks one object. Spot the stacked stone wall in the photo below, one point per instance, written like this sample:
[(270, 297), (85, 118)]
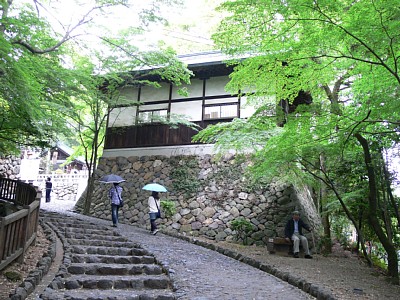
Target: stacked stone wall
[(61, 190), (10, 167), (208, 196)]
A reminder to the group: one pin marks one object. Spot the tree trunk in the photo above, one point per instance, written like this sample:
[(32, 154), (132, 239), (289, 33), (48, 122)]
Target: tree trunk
[(390, 194), (353, 221), (88, 198), (324, 214), (387, 244)]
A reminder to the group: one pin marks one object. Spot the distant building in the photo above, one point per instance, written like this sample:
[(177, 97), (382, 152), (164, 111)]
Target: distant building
[(58, 157), (37, 161)]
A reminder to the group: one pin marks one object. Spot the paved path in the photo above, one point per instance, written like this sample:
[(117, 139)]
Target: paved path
[(197, 273)]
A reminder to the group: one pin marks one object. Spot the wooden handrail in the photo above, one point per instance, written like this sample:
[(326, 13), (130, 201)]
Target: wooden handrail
[(18, 192), (18, 230)]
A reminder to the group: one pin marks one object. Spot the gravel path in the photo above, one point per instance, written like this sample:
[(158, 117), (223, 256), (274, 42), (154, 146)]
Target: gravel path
[(200, 273)]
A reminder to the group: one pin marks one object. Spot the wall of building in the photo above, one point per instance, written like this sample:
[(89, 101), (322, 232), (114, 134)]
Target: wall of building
[(208, 193), (192, 108)]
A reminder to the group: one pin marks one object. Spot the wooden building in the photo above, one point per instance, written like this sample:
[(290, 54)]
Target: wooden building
[(133, 131), (58, 158)]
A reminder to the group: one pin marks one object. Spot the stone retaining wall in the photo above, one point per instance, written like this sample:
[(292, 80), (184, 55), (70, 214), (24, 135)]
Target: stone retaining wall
[(62, 190), (208, 193), (10, 167), (66, 187)]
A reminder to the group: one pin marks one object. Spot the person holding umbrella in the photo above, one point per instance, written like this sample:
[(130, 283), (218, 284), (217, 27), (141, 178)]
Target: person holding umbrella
[(154, 211), (115, 194), (154, 204)]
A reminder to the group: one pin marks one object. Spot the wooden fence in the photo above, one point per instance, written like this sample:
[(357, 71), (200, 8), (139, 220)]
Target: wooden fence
[(18, 230)]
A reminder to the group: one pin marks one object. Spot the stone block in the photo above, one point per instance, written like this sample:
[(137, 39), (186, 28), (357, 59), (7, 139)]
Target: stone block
[(72, 284), (185, 228), (156, 283), (220, 236)]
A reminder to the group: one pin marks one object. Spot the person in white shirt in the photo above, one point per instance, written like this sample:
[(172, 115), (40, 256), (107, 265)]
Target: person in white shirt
[(293, 231), (154, 211)]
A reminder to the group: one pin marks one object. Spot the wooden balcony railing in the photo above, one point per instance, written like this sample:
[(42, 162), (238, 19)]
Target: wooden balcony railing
[(152, 135)]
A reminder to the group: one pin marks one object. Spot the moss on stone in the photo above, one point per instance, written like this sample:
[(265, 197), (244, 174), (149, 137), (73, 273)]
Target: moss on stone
[(13, 276)]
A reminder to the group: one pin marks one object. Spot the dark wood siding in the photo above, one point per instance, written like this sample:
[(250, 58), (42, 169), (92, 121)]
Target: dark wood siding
[(152, 135)]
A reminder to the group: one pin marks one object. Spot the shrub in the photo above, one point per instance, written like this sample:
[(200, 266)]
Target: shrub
[(168, 207), (324, 245), (242, 227), (184, 175)]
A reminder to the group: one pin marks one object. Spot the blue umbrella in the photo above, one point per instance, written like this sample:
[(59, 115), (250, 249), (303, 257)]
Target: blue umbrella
[(112, 178), (155, 187)]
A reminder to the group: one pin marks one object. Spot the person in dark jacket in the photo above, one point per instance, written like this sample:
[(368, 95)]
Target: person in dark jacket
[(294, 231), (49, 187)]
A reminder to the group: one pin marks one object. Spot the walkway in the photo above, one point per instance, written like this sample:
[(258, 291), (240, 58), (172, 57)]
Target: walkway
[(102, 262)]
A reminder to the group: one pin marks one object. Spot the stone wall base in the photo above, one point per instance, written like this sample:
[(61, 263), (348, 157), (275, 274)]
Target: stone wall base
[(208, 193)]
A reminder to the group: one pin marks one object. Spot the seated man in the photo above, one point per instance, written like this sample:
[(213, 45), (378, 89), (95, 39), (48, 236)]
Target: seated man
[(293, 231)]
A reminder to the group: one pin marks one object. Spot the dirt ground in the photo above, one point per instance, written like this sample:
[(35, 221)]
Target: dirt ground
[(346, 275), (31, 258), (343, 273)]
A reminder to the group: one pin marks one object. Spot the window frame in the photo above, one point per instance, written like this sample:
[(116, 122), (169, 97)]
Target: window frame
[(220, 105), (150, 121)]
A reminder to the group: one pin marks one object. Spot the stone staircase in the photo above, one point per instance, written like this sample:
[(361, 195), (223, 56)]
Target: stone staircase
[(100, 264)]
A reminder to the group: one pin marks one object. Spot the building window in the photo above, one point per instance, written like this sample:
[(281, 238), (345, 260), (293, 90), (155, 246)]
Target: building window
[(221, 111), (152, 116)]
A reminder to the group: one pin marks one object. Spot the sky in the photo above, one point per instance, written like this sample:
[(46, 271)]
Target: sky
[(189, 30)]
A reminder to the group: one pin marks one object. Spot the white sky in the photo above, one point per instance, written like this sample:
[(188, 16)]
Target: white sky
[(196, 13)]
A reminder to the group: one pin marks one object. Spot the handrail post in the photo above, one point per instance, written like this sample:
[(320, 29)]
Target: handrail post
[(38, 198), (28, 222), (2, 238), (25, 225)]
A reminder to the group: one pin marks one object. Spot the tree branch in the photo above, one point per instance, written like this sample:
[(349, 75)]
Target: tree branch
[(86, 18)]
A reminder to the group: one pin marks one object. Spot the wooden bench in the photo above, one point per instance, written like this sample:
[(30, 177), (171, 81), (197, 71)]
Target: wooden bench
[(279, 244)]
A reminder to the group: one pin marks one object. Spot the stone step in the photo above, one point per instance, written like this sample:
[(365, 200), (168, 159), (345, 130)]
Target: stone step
[(142, 282), (89, 241), (79, 249), (112, 259), (114, 269), (105, 237), (87, 227), (116, 294), (73, 225), (66, 220), (100, 230)]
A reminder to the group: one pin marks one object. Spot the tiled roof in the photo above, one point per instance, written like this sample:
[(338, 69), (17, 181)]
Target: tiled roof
[(203, 58)]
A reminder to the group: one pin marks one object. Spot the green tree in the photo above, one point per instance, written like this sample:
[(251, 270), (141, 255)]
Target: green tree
[(37, 80), (344, 54), (47, 82), (115, 64), (89, 116), (33, 82)]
